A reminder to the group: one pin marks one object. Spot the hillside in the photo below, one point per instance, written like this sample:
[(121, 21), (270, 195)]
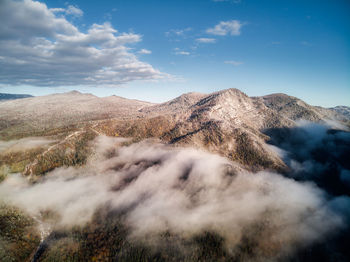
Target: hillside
[(342, 110), (38, 115)]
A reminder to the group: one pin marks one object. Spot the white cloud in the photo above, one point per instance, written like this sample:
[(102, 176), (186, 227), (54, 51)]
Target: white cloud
[(178, 32), (235, 63), (232, 27), (206, 40), (145, 51), (182, 53), (57, 10), (42, 49), (75, 11), (187, 192), (70, 10)]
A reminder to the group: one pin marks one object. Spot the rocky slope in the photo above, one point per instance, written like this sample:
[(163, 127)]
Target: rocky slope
[(342, 110), (296, 109)]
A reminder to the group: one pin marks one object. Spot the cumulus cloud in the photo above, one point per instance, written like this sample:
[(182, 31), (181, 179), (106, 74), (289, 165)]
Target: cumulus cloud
[(231, 27), (39, 48), (206, 40), (235, 63), (184, 192)]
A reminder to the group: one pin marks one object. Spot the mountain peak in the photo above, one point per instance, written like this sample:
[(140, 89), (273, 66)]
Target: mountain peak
[(74, 92), (180, 103), (232, 91), (187, 99), (228, 97)]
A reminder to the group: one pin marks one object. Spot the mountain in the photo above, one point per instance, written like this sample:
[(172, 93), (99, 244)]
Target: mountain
[(294, 108), (178, 104), (202, 177), (342, 110), (44, 113), (226, 122), (4, 96)]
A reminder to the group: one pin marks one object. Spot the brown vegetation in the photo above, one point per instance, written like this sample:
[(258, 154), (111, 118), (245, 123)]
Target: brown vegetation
[(19, 237)]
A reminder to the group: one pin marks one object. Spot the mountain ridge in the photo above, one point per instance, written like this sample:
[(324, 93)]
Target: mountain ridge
[(227, 122), (8, 96), (182, 118)]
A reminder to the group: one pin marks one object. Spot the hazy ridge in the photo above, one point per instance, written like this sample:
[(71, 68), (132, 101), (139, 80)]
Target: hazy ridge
[(4, 96)]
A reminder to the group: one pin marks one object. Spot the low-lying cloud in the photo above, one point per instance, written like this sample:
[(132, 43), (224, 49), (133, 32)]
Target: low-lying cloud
[(317, 153), (24, 144), (185, 192)]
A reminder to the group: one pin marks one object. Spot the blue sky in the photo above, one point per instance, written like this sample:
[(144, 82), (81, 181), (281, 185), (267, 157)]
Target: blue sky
[(155, 50)]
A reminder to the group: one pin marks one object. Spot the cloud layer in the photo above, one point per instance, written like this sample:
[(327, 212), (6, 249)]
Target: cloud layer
[(184, 192), (317, 153), (40, 47)]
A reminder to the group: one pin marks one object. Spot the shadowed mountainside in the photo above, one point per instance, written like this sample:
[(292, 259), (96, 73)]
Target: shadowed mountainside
[(4, 96)]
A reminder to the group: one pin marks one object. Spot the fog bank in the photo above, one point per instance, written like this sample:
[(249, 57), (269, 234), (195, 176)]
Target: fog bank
[(185, 192)]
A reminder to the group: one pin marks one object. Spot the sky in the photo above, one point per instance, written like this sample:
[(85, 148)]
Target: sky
[(156, 50)]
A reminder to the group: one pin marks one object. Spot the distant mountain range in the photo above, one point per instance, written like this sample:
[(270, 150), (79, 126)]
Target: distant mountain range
[(4, 96), (343, 110)]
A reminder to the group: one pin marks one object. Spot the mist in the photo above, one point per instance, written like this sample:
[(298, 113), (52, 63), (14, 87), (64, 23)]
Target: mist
[(24, 144), (318, 153), (156, 189)]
